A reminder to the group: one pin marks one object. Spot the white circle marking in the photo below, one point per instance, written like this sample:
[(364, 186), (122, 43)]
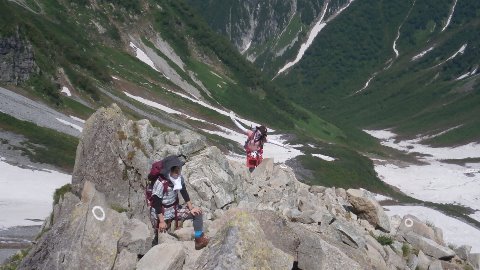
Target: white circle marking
[(100, 218), (408, 222)]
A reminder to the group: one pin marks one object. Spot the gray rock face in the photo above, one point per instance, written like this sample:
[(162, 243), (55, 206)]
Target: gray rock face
[(412, 261), (376, 259), (429, 246), (17, 62), (463, 251), (349, 234), (125, 260), (369, 209), (474, 259), (419, 228), (85, 236), (116, 155), (241, 244), (316, 253), (436, 265), (168, 256), (423, 260), (393, 260)]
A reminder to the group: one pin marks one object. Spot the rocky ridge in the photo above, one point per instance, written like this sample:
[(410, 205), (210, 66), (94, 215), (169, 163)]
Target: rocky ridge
[(266, 219)]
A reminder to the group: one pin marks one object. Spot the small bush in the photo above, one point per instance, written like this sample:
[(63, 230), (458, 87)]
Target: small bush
[(384, 240), (60, 192), (13, 262)]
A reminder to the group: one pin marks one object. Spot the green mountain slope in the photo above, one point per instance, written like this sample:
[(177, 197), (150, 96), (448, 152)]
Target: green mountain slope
[(359, 47)]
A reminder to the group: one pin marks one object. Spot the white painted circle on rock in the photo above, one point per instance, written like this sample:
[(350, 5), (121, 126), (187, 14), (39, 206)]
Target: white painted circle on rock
[(100, 218), (408, 222)]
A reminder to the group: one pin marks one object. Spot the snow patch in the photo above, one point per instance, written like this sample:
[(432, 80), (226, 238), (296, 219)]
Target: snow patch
[(280, 154), (422, 54), (450, 16), (220, 111), (17, 184), (161, 107), (460, 51), (471, 150), (142, 56), (468, 74), (433, 181), (77, 119), (326, 158), (247, 47), (79, 128), (66, 91), (454, 230), (216, 74)]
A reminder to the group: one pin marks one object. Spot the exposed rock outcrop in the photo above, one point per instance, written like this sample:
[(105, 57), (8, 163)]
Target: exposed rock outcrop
[(17, 61), (266, 219), (87, 235), (368, 208)]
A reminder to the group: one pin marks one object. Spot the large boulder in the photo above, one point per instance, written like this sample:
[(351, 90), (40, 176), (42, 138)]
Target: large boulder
[(429, 246), (86, 235), (349, 234), (167, 256), (116, 155), (242, 244), (368, 208), (463, 252), (413, 224), (210, 181), (423, 260), (316, 253)]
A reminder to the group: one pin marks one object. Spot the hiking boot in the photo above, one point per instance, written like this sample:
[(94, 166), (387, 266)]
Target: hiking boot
[(201, 242)]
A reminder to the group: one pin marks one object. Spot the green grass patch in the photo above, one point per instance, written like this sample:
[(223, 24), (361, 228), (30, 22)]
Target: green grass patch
[(384, 240), (60, 192), (290, 32), (349, 170), (77, 108), (406, 250), (44, 145)]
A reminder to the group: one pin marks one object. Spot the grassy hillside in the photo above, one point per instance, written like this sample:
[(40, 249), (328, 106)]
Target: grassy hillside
[(412, 96)]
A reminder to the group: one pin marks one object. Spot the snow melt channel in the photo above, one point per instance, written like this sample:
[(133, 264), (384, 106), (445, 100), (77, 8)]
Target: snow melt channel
[(450, 16), (142, 56), (319, 25), (422, 54)]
